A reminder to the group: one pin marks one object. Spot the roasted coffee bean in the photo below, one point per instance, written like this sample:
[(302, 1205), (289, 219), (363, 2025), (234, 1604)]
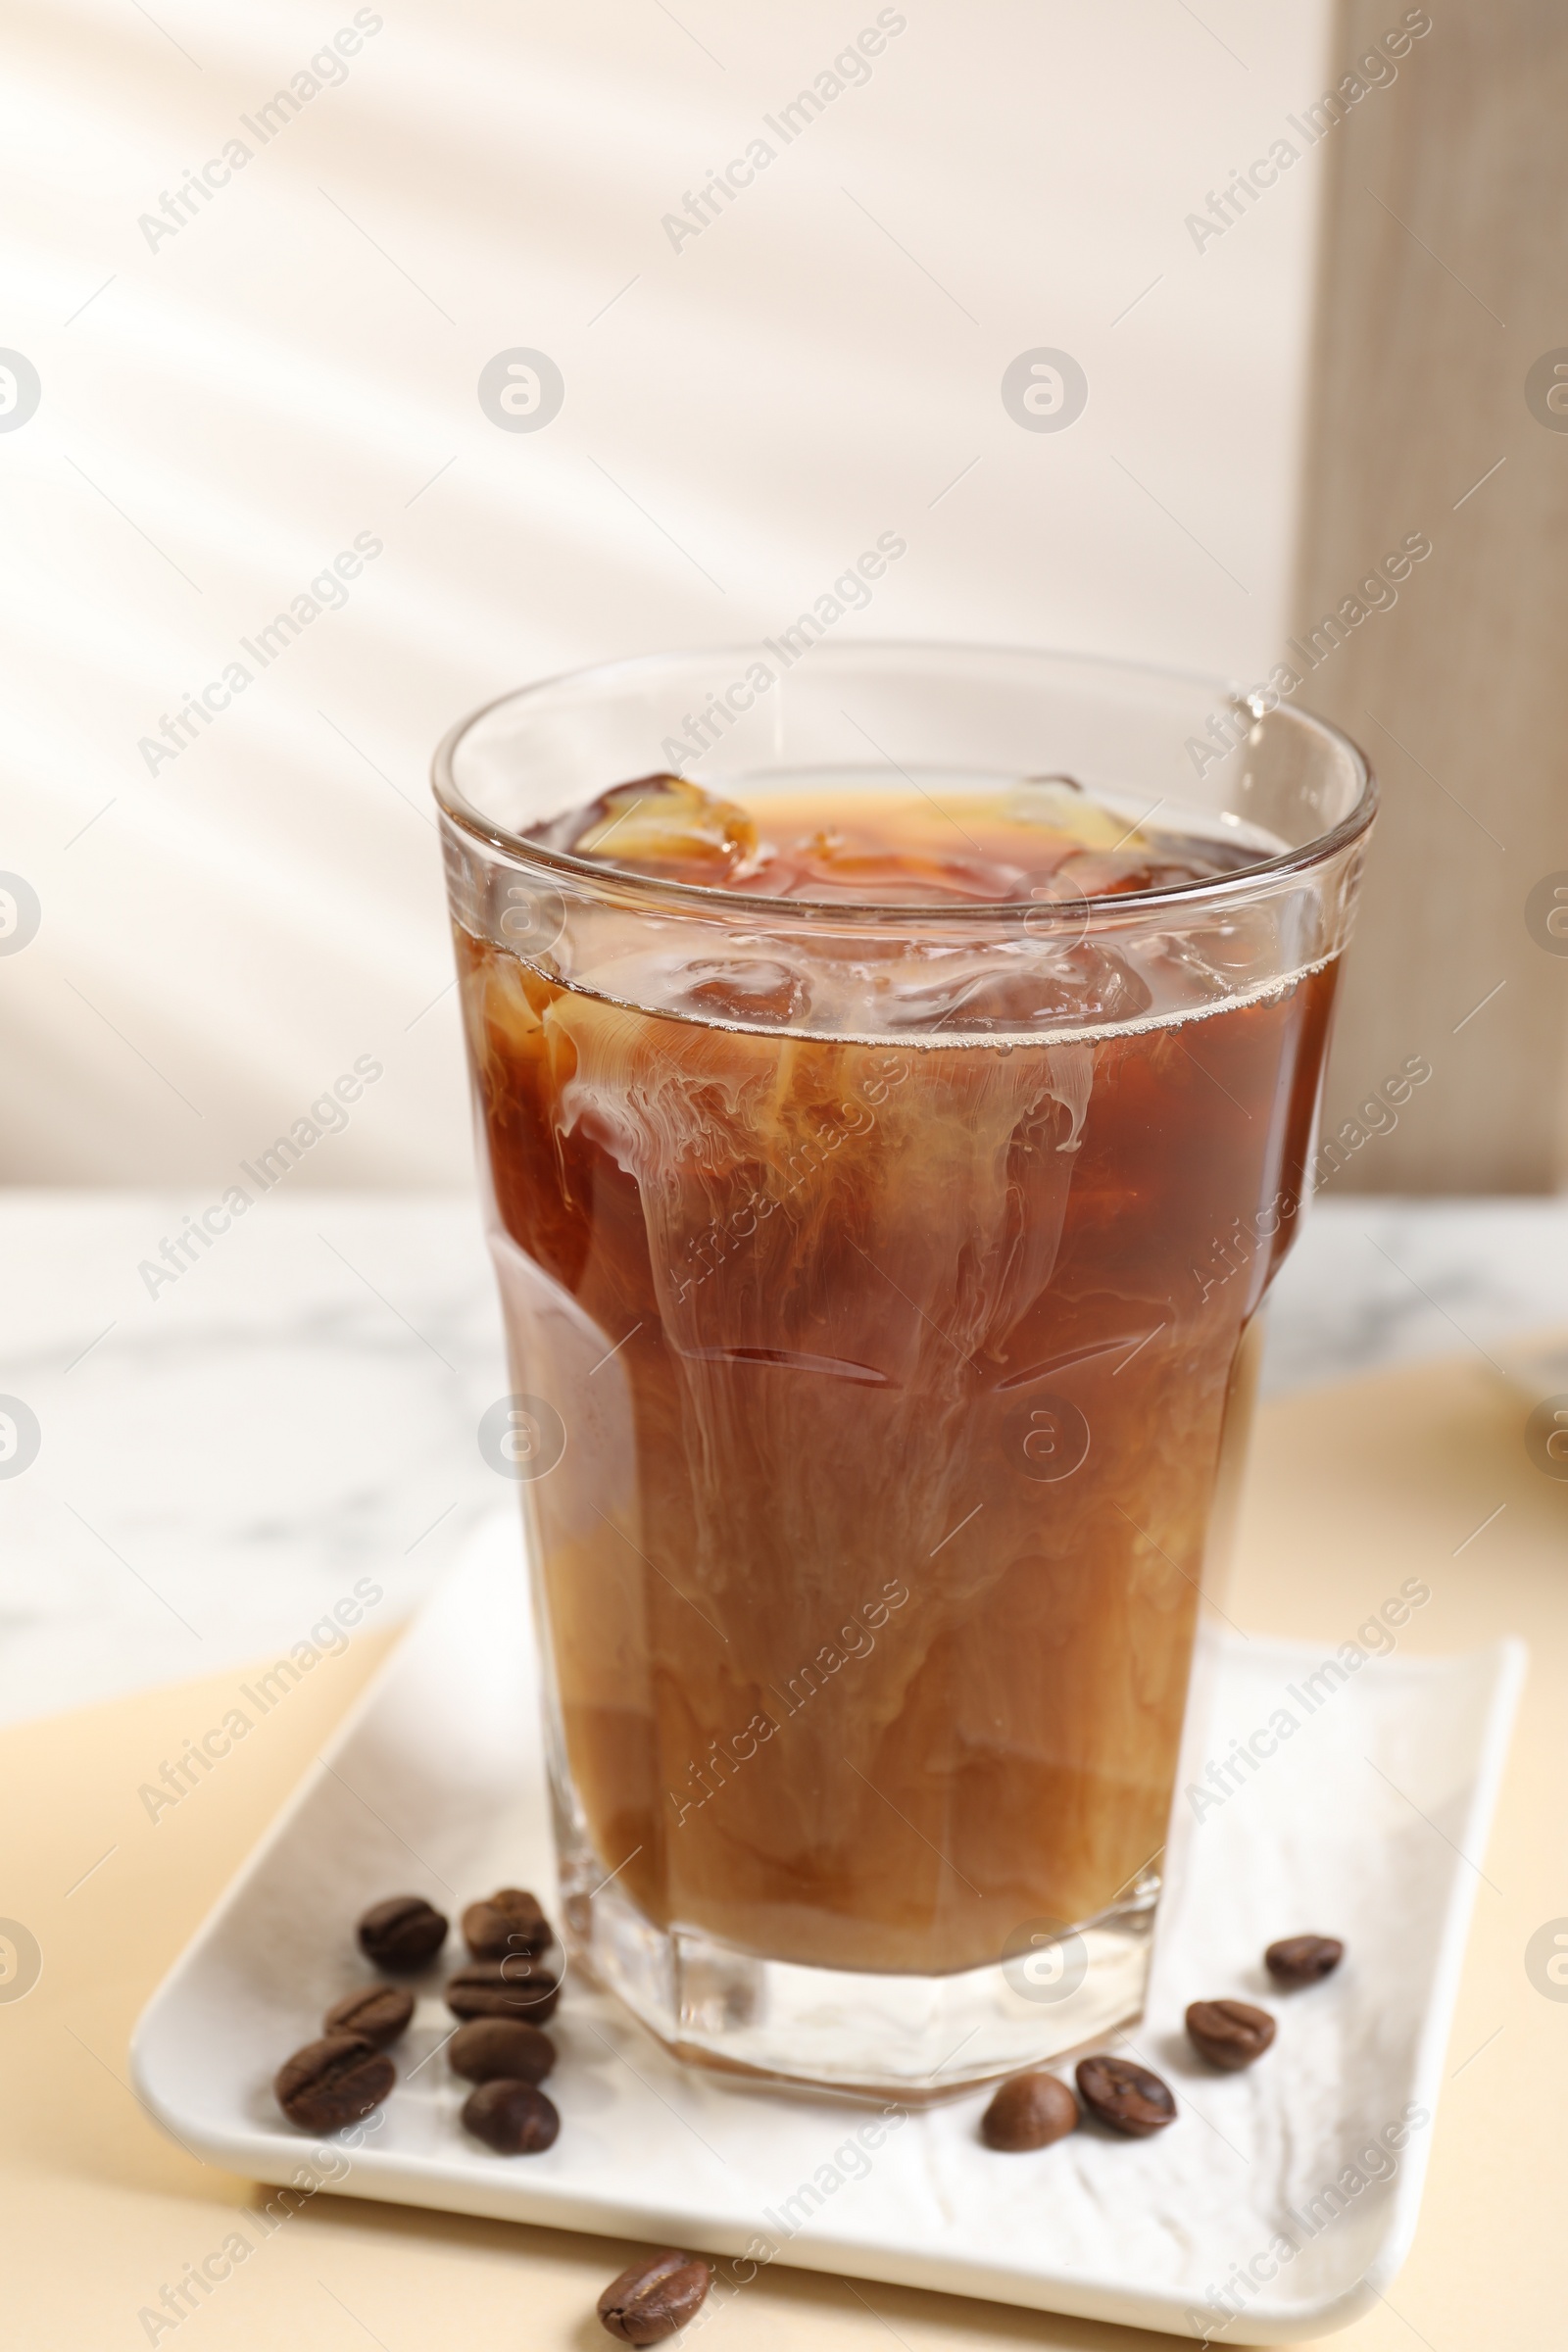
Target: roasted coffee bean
[(516, 1986), (402, 1933), (1127, 2097), (1304, 1959), (333, 2082), (492, 2047), (377, 2012), (1029, 2112), (507, 1921), (515, 2119), (653, 2298), (1229, 2034)]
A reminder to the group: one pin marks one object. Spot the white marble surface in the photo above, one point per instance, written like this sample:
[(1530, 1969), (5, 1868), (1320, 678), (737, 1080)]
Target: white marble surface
[(223, 1462), (218, 1463)]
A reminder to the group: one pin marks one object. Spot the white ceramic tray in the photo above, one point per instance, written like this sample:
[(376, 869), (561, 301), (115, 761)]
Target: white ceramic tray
[(1293, 2188)]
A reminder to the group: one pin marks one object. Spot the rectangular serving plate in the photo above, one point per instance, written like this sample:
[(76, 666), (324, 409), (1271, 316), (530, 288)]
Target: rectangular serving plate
[(1286, 2196)]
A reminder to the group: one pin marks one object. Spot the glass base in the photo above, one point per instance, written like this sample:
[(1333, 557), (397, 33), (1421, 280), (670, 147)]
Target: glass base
[(912, 2039)]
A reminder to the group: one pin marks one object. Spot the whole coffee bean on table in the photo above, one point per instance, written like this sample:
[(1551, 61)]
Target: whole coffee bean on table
[(333, 2082), (379, 2013), (653, 2298), (488, 2047), (1230, 2035), (1029, 2111), (507, 1921), (1304, 1959), (1127, 2097), (517, 1987), (515, 2119), (402, 1933)]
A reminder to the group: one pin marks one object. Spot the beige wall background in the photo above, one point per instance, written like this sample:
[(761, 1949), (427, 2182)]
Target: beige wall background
[(237, 387)]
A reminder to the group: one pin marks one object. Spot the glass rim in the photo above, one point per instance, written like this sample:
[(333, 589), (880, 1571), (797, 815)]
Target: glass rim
[(697, 897)]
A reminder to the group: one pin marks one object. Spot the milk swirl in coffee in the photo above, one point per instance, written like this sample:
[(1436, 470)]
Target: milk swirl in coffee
[(873, 1280)]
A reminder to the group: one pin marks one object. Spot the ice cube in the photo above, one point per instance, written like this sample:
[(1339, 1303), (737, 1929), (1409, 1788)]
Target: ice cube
[(1061, 803), (660, 825), (1115, 874), (1224, 955), (828, 868), (1082, 984), (745, 989)]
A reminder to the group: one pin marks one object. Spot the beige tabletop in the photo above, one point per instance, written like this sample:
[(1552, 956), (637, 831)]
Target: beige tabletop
[(1352, 1488)]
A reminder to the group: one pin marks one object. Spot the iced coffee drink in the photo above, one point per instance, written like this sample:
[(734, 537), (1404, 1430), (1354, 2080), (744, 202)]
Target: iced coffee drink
[(886, 1172)]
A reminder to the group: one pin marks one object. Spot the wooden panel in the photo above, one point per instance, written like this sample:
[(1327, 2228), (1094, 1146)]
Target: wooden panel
[(1441, 284)]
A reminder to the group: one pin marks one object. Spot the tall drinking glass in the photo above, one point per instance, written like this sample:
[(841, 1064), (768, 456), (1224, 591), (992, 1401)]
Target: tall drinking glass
[(881, 1281)]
